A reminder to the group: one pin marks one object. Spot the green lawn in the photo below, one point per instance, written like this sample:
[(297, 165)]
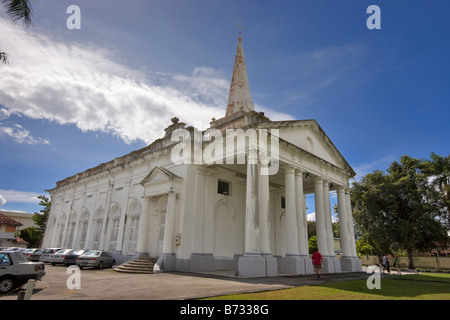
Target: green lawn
[(429, 286)]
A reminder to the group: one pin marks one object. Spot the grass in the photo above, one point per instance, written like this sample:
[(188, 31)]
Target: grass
[(430, 286)]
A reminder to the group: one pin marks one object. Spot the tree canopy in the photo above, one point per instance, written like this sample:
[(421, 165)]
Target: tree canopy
[(401, 209)]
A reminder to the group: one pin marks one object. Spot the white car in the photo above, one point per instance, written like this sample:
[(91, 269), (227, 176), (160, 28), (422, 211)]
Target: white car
[(45, 256), (16, 270)]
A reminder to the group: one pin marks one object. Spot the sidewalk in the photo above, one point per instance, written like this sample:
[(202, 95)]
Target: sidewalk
[(111, 285)]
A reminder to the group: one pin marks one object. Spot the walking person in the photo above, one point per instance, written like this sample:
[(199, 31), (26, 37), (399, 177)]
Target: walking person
[(317, 262)]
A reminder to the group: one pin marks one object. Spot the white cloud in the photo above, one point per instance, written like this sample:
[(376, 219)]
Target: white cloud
[(21, 135), (312, 217), (323, 68), (19, 196), (73, 83), (2, 201), (368, 167)]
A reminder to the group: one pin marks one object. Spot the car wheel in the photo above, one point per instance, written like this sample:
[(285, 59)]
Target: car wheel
[(7, 284), (100, 265)]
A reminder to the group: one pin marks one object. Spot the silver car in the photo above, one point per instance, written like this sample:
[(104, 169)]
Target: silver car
[(59, 256), (45, 256), (96, 259)]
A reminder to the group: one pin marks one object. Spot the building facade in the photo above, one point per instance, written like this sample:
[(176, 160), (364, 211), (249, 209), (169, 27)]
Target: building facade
[(231, 197)]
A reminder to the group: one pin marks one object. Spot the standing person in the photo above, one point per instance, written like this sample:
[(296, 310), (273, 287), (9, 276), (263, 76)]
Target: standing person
[(385, 263), (396, 264), (317, 262)]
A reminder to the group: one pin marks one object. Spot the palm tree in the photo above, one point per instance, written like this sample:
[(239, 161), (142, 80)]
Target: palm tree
[(17, 10), (439, 168)]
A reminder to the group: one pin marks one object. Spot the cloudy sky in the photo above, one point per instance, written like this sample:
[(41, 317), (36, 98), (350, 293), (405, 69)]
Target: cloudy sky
[(72, 99)]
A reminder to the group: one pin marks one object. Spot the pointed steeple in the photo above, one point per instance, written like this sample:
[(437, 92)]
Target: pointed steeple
[(239, 97)]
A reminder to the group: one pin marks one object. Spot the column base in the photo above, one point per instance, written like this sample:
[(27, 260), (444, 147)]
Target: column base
[(331, 264), (202, 262), (166, 262), (140, 255), (252, 265), (351, 264), (271, 265), (296, 264)]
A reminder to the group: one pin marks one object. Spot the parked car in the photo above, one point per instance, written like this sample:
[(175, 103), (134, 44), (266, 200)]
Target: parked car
[(29, 252), (65, 256), (45, 256), (36, 255), (59, 256), (16, 270), (95, 259)]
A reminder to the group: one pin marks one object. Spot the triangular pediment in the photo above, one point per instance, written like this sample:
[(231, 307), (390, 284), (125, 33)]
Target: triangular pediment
[(159, 174), (309, 136)]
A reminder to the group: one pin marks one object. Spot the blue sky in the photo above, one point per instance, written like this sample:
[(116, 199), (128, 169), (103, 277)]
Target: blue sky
[(72, 99)]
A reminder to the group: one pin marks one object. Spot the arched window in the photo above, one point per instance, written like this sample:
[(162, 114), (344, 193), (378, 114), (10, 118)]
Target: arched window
[(71, 229), (113, 226), (83, 228), (97, 225), (60, 229), (132, 228)]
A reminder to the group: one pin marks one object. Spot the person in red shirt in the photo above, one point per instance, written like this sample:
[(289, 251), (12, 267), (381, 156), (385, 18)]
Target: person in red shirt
[(317, 262)]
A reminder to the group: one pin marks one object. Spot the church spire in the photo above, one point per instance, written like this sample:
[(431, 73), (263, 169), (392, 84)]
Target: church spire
[(239, 97)]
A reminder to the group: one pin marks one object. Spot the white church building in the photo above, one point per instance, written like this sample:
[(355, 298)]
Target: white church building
[(231, 197)]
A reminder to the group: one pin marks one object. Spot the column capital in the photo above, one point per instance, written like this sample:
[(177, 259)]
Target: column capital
[(318, 180), (289, 169), (299, 171)]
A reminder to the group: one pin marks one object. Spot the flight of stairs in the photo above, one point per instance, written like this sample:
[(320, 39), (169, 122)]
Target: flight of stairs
[(140, 265)]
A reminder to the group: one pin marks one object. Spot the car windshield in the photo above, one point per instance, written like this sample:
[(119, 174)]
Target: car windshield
[(20, 257), (92, 253), (77, 252), (60, 251)]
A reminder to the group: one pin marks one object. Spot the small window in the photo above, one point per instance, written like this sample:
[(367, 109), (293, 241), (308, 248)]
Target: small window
[(4, 260), (283, 203), (223, 187)]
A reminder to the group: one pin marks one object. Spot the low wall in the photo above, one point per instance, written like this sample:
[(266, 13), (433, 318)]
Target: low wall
[(419, 262)]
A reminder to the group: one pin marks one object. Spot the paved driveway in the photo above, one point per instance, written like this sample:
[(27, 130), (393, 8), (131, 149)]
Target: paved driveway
[(111, 285)]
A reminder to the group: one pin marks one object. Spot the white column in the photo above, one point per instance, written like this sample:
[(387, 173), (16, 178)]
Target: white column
[(251, 203), (301, 214), (169, 236), (320, 217), (343, 222), (328, 222), (263, 206), (199, 209), (142, 243), (351, 230), (252, 264), (349, 259), (291, 212)]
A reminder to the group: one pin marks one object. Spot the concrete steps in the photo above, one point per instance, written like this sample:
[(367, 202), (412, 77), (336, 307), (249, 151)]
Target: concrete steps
[(140, 265)]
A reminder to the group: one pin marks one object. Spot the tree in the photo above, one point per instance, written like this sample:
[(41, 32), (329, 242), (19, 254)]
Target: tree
[(400, 210), (40, 219), (34, 235), (312, 244), (31, 235), (17, 10)]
